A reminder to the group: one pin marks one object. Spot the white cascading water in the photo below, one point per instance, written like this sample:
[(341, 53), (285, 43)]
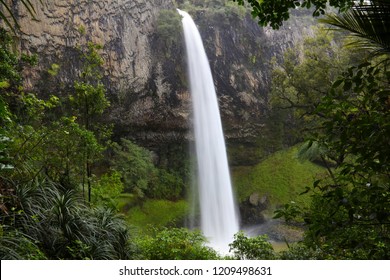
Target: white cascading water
[(219, 218)]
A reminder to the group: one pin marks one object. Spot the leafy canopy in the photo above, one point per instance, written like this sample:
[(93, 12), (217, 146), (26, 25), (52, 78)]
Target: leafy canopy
[(368, 25), (349, 217), (274, 12), (176, 244)]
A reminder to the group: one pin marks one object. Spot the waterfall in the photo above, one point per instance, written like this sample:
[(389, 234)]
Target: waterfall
[(219, 218)]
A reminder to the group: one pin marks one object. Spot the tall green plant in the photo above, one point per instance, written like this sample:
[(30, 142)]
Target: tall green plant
[(89, 102), (108, 189), (16, 107), (301, 79), (135, 165), (141, 177)]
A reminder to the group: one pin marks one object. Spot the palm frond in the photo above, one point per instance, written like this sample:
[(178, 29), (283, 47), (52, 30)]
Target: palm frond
[(369, 25), (4, 17), (29, 6), (13, 23)]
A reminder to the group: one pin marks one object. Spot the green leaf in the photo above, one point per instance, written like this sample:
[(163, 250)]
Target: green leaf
[(347, 85), (337, 83)]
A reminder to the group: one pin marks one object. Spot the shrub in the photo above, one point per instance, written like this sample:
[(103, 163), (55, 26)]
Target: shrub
[(135, 166), (169, 27), (107, 190), (251, 248), (176, 244)]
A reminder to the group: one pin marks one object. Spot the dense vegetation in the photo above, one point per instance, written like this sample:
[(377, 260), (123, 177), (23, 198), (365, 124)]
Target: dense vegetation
[(281, 178), (63, 179), (275, 12), (61, 176), (347, 128)]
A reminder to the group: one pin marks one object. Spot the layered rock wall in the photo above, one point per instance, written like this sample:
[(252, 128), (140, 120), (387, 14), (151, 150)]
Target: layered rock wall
[(146, 78), (122, 27)]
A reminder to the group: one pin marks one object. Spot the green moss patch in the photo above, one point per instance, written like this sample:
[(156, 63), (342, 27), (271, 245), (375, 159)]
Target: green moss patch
[(281, 177), (156, 213)]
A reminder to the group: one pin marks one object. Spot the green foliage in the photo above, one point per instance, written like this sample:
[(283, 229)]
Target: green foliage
[(63, 147), (301, 80), (175, 244), (368, 26), (135, 165), (312, 151), (251, 248), (141, 177), (4, 139), (4, 156), (11, 66), (56, 224), (157, 213), (167, 185), (15, 245), (281, 177), (42, 209), (169, 27), (275, 12), (107, 190), (53, 71), (88, 101), (57, 149), (289, 212), (20, 113), (299, 251), (62, 227), (92, 62), (226, 8), (349, 216), (8, 61), (357, 118)]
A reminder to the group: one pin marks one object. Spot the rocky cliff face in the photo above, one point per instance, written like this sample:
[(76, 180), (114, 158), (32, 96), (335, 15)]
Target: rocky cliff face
[(240, 52), (145, 75), (122, 27)]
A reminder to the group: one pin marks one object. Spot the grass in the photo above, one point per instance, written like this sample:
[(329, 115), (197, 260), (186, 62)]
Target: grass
[(125, 199), (281, 177), (157, 213)]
